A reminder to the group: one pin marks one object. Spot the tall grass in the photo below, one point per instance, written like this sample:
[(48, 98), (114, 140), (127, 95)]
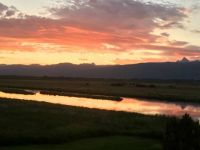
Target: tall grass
[(24, 122), (174, 90)]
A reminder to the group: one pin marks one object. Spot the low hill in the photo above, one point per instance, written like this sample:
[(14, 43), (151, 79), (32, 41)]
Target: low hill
[(169, 70)]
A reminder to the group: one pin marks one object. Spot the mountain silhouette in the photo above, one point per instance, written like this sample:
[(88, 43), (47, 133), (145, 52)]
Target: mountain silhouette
[(168, 70), (184, 60)]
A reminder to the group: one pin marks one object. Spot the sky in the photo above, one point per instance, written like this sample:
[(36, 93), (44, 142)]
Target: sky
[(98, 31)]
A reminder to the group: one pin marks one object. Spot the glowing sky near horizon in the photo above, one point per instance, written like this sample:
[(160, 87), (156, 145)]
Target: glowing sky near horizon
[(98, 31)]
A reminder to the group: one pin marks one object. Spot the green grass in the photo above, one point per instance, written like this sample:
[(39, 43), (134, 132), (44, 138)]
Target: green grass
[(28, 125), (187, 91), (24, 122), (104, 143)]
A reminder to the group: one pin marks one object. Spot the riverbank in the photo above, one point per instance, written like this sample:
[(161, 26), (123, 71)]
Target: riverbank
[(58, 93), (101, 97), (174, 90), (28, 122), (16, 91), (99, 143)]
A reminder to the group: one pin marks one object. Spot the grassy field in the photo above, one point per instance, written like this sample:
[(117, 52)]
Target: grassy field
[(103, 143), (28, 125), (24, 124), (187, 91)]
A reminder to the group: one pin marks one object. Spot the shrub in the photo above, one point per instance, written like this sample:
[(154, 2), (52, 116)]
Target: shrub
[(182, 134), (117, 84)]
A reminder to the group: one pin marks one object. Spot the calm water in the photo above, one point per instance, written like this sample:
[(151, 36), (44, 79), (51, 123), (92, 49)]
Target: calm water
[(127, 104)]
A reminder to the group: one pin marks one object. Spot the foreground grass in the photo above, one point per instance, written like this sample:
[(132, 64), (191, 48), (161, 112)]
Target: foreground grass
[(104, 143), (186, 91), (24, 123)]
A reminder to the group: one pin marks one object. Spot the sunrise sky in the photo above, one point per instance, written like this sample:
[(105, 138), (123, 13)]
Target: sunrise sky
[(98, 31)]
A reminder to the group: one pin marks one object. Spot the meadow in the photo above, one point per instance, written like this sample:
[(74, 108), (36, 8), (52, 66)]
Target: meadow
[(165, 90), (29, 125), (33, 125), (105, 143)]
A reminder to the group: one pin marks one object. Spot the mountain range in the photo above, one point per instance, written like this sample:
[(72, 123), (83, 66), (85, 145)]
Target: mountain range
[(183, 70)]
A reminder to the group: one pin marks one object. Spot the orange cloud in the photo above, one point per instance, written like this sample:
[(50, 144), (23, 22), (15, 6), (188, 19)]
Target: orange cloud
[(100, 26)]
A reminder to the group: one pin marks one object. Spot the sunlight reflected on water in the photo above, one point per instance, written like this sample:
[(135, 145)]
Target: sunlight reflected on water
[(127, 104)]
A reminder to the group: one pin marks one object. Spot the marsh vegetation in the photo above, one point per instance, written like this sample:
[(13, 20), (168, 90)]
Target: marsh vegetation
[(28, 125), (164, 90)]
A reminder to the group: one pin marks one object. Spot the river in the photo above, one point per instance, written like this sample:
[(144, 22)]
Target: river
[(127, 104)]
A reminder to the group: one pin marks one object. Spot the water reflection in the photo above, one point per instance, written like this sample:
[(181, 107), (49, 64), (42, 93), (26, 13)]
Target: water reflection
[(127, 104)]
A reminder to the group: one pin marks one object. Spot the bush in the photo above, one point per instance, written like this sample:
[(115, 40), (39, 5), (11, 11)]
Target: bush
[(117, 84), (182, 134), (145, 85)]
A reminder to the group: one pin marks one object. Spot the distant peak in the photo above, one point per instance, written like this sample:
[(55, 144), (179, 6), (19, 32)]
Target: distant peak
[(184, 60)]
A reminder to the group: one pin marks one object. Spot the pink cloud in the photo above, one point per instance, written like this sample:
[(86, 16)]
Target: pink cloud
[(88, 25)]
